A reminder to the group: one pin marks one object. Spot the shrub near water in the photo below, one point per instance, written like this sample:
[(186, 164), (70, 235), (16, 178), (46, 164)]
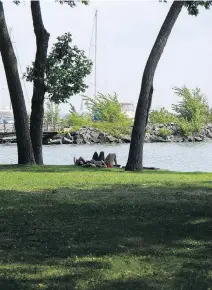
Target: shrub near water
[(192, 110), (107, 110), (191, 113), (162, 116), (115, 129), (164, 132)]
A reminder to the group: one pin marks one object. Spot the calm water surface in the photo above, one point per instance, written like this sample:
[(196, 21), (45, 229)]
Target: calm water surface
[(178, 157)]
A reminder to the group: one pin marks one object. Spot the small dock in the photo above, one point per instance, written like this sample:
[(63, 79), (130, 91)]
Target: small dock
[(10, 137)]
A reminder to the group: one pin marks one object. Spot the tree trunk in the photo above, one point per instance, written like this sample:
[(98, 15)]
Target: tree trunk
[(135, 158), (37, 111), (149, 105), (25, 152)]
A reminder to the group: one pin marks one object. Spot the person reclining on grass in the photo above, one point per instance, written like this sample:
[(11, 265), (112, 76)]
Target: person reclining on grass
[(91, 163), (79, 161), (98, 161), (95, 156), (100, 157), (110, 160)]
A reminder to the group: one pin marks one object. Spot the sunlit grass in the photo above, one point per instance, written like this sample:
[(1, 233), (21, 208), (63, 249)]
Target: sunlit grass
[(71, 228)]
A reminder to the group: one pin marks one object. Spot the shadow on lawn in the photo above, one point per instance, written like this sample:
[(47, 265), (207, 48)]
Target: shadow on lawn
[(170, 227), (73, 168)]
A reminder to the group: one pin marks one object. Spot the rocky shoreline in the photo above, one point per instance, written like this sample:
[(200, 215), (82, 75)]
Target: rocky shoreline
[(172, 133), (157, 133), (86, 135)]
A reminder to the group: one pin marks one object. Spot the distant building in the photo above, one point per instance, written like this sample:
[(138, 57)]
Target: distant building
[(128, 109), (6, 116)]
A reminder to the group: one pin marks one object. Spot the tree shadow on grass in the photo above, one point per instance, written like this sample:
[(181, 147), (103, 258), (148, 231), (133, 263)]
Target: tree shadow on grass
[(55, 168), (159, 239), (73, 168), (128, 285)]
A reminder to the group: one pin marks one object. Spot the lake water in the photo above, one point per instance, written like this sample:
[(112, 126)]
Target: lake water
[(176, 156)]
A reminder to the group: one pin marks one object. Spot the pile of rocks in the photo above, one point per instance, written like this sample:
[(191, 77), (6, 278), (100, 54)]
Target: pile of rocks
[(155, 133), (87, 136)]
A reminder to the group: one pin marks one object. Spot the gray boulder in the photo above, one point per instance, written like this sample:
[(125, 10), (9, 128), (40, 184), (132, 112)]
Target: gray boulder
[(82, 131), (209, 135), (68, 136), (126, 139), (67, 141), (111, 139), (178, 139), (94, 135), (78, 141), (104, 139), (198, 139), (157, 139), (170, 138), (190, 139)]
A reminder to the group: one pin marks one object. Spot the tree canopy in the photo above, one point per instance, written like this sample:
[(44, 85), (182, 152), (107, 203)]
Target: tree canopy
[(65, 72), (193, 6)]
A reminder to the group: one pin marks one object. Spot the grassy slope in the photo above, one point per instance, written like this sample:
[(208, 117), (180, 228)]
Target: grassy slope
[(71, 228)]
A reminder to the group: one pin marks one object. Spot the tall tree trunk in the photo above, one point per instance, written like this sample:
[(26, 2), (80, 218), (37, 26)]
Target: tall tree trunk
[(25, 152), (149, 105), (37, 111), (135, 158)]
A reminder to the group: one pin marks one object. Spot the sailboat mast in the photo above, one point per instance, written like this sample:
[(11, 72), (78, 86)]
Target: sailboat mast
[(95, 67)]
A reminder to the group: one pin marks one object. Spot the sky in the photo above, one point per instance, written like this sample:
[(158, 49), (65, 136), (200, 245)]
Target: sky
[(126, 32)]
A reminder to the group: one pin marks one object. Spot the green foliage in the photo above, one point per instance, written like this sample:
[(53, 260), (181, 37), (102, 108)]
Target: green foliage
[(66, 69), (189, 128), (193, 110), (116, 129), (193, 6), (162, 116), (191, 113), (51, 114), (186, 128), (122, 126), (105, 107), (210, 116), (193, 105), (76, 120), (164, 132)]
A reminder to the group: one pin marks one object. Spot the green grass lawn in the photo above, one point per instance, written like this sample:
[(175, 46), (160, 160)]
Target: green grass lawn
[(71, 228)]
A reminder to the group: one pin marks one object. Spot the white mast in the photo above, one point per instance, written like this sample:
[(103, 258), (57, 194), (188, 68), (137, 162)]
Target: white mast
[(95, 67), (93, 35)]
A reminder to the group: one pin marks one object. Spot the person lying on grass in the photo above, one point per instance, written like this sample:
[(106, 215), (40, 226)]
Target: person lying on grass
[(98, 161), (111, 160), (91, 163)]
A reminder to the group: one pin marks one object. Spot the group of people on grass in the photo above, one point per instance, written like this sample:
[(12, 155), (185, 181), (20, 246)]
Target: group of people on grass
[(98, 160)]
